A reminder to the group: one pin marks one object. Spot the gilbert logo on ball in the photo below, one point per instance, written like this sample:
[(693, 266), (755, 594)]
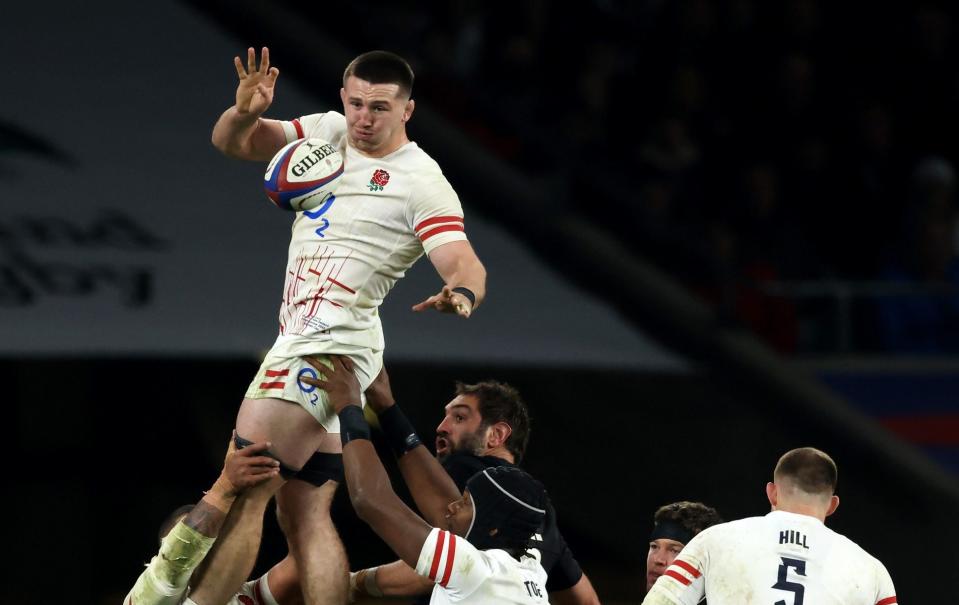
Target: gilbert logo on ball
[(303, 175)]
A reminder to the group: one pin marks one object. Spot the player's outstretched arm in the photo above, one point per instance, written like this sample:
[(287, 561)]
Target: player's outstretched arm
[(581, 593), (240, 132), (429, 483), (464, 276), (165, 579), (370, 490), (396, 579), (242, 469)]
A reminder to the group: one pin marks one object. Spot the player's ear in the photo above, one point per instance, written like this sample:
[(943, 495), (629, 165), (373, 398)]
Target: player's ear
[(343, 96), (408, 110), (498, 434), (772, 493), (833, 505)]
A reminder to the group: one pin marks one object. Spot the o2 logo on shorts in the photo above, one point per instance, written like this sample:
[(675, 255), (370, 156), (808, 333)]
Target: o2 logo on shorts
[(308, 388)]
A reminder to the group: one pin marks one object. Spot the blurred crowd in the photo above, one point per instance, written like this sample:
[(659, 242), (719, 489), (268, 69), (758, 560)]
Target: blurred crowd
[(741, 145)]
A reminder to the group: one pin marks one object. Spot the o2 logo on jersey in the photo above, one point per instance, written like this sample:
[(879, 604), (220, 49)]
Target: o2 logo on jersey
[(308, 388), (319, 212), (533, 589)]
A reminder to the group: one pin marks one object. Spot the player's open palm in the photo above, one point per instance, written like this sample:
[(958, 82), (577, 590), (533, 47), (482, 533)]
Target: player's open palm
[(254, 93)]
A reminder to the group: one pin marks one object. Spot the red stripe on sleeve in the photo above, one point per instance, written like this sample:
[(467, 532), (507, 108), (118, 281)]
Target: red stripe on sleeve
[(678, 577), (438, 219), (274, 373), (888, 600), (436, 555), (443, 229), (689, 568), (299, 129), (449, 561), (272, 385)]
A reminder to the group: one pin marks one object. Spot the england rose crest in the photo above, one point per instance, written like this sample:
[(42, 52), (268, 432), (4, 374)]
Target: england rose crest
[(379, 180)]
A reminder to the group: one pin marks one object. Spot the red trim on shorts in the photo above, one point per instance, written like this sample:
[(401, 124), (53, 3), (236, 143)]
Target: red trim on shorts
[(436, 554), (451, 553), (439, 230), (274, 373), (299, 129), (888, 600), (272, 385), (689, 568), (438, 219), (678, 576)]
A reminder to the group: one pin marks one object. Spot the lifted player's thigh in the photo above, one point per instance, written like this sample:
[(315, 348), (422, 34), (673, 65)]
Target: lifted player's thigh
[(294, 433)]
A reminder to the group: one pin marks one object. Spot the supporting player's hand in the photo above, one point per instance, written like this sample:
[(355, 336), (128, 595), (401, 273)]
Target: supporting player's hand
[(254, 93), (447, 301), (379, 395), (246, 468), (339, 382)]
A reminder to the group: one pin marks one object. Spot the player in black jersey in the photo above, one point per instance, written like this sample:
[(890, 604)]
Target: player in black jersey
[(485, 425)]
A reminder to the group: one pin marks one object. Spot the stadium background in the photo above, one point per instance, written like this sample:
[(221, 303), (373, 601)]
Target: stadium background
[(715, 231)]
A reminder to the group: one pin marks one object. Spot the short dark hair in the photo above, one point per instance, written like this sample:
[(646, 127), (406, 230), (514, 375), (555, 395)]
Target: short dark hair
[(382, 67), (809, 469), (694, 516), (172, 519), (500, 402)]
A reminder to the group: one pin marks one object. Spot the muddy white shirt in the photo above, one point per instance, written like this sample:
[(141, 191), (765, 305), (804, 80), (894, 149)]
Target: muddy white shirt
[(345, 256), (782, 557), (464, 574)]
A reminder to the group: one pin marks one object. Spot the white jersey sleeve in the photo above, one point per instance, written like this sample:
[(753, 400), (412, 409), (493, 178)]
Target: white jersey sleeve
[(436, 215), (329, 126), (452, 563), (683, 582), (887, 592)]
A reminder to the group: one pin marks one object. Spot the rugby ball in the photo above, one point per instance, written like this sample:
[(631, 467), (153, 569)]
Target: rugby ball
[(303, 175)]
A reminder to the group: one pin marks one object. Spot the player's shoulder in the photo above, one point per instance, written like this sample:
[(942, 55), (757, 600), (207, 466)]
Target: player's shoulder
[(852, 551), (328, 125), (421, 164)]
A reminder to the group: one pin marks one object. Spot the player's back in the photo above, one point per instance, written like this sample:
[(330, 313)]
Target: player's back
[(782, 557)]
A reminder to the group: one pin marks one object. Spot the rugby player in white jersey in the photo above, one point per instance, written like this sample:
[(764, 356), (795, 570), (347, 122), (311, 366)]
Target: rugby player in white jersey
[(392, 205), (788, 556), (484, 554)]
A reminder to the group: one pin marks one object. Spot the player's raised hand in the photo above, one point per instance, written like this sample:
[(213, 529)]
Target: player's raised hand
[(379, 395), (246, 468), (339, 382), (254, 93), (447, 301)]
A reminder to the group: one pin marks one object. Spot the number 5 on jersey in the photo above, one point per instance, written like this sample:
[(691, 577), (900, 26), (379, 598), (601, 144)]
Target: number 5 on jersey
[(784, 584)]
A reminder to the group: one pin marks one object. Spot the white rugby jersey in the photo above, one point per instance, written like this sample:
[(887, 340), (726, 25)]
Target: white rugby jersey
[(464, 574), (345, 256), (782, 557)]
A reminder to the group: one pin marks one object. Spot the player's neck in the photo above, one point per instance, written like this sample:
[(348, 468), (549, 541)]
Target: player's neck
[(499, 452), (800, 508)]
